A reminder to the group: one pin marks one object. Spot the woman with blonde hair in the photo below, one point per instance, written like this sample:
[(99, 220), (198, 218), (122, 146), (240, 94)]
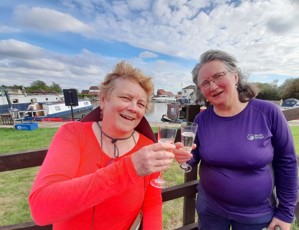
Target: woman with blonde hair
[(96, 174)]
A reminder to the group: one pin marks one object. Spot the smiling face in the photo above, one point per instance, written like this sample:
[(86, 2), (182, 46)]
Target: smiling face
[(221, 90), (123, 107)]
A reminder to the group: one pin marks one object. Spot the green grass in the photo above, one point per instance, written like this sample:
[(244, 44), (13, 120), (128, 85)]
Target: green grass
[(15, 185), (295, 134), (14, 190), (13, 140)]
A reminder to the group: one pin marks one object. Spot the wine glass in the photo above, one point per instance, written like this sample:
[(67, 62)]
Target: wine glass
[(166, 134), (188, 132)]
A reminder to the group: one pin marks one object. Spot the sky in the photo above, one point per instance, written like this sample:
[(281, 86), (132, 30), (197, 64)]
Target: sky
[(75, 43)]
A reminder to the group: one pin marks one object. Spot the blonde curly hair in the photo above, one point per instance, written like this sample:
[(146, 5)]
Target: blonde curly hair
[(126, 71)]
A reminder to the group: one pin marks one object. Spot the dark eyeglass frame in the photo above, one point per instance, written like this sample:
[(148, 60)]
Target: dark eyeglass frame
[(216, 78)]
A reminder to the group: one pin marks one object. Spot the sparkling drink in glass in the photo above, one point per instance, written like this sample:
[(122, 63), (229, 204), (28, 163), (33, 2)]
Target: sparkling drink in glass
[(166, 134), (188, 132)]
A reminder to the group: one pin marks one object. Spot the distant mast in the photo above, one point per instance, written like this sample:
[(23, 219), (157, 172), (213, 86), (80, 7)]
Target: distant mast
[(7, 97)]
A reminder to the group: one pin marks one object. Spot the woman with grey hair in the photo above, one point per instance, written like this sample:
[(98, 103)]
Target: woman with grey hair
[(248, 165)]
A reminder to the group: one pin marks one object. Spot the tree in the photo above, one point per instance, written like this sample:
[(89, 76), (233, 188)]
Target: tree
[(289, 89), (267, 91), (37, 86), (11, 87), (41, 86), (55, 88)]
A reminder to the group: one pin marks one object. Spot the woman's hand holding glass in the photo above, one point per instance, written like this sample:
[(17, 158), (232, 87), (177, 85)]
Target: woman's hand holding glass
[(153, 158), (181, 154), (188, 132), (166, 135)]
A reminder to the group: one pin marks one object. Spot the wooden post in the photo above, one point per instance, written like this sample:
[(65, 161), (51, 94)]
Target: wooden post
[(190, 200), (191, 112)]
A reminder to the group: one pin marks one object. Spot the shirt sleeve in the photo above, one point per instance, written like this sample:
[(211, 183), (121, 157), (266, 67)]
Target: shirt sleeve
[(285, 167)]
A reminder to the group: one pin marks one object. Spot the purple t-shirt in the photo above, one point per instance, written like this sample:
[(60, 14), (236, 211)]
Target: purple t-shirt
[(243, 157)]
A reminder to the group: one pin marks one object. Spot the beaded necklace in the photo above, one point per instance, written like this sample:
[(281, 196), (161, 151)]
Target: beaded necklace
[(114, 140)]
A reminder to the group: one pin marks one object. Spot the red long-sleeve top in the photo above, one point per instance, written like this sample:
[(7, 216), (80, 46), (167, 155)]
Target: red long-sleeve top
[(74, 188)]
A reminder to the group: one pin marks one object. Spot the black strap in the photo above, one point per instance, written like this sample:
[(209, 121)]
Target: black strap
[(114, 140)]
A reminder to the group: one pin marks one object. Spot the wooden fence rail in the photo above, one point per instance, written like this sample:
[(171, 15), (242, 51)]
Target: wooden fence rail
[(187, 189)]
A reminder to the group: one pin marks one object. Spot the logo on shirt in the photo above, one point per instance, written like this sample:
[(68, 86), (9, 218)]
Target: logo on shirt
[(252, 137)]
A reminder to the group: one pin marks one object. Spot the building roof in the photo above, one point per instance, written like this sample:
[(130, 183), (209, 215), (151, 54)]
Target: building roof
[(84, 91), (190, 87), (163, 92), (93, 88)]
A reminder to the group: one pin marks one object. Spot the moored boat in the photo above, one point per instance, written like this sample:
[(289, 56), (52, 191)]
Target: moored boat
[(164, 99), (37, 107), (46, 111), (178, 113), (22, 101)]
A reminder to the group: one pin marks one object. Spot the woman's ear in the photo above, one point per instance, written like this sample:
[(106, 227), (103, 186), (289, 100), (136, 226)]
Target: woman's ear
[(236, 79), (101, 101)]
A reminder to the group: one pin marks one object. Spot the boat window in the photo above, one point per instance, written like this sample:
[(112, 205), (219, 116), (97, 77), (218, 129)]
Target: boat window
[(15, 101), (86, 103), (57, 108)]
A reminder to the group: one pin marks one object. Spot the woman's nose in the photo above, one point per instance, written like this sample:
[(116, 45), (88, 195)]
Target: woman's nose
[(133, 106), (213, 85)]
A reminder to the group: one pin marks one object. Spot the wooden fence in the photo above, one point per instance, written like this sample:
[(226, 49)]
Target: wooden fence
[(187, 189)]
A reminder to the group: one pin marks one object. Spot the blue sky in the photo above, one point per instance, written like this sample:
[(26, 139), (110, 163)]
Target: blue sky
[(75, 43)]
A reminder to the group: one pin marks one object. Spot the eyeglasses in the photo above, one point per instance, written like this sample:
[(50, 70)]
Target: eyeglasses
[(216, 78)]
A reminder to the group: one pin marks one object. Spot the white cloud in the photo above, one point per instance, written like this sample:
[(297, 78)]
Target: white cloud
[(12, 48), (166, 75), (38, 18), (147, 54), (22, 63), (139, 5), (263, 35)]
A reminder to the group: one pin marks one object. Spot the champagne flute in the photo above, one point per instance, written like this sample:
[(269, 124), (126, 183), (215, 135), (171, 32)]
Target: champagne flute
[(166, 134), (188, 132)]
